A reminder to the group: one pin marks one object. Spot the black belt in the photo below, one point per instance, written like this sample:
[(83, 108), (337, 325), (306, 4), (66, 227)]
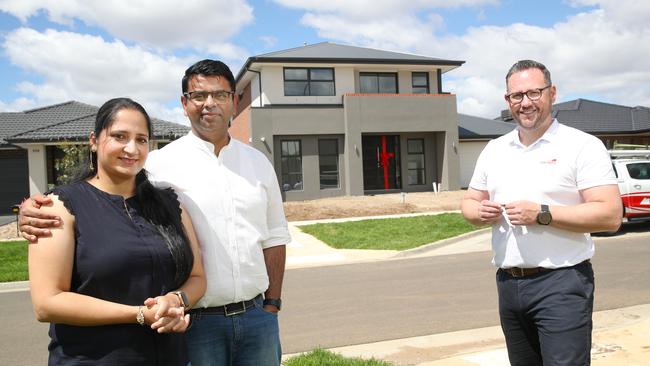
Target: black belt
[(228, 309), (523, 272)]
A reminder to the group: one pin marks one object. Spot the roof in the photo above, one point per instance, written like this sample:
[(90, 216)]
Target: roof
[(470, 127), (70, 121), (13, 123), (599, 117), (334, 53)]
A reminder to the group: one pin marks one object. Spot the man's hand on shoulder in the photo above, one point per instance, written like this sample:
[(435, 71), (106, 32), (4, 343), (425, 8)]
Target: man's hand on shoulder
[(33, 222)]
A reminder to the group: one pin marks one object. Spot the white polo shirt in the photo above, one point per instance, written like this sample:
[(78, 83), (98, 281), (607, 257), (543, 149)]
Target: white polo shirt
[(236, 208), (550, 171)]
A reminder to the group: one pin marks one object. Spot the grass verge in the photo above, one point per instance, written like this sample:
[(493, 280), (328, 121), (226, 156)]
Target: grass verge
[(320, 357), (13, 261), (390, 234)]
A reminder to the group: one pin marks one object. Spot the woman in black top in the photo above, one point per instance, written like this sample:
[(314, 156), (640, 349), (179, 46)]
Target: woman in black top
[(115, 278)]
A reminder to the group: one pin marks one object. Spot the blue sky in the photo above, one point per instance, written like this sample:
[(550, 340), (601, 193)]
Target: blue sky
[(93, 50)]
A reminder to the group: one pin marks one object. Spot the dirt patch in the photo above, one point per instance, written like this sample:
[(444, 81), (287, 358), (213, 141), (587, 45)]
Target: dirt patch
[(8, 231), (353, 206), (383, 204)]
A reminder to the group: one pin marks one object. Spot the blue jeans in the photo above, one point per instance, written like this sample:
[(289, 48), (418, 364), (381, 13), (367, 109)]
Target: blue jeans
[(251, 338), (546, 318)]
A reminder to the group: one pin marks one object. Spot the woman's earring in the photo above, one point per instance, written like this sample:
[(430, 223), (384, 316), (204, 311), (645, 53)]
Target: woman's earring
[(90, 159)]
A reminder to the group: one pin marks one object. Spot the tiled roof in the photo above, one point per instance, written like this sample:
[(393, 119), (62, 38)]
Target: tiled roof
[(329, 50), (334, 53), (600, 118), (71, 121), (470, 127), (15, 123)]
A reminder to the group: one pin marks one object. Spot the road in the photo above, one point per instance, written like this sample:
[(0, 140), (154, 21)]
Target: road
[(362, 303)]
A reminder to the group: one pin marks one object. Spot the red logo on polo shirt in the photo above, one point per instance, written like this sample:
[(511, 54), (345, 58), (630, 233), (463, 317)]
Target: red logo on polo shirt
[(552, 162)]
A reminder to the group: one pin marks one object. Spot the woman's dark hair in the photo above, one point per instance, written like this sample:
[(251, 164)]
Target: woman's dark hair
[(157, 206)]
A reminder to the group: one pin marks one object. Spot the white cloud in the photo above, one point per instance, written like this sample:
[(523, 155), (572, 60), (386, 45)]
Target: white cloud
[(269, 41), (163, 112), (159, 23), (601, 52), (89, 69), (384, 32), (17, 105)]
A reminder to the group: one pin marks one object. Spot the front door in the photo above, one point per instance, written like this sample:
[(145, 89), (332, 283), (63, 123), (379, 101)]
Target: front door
[(381, 170)]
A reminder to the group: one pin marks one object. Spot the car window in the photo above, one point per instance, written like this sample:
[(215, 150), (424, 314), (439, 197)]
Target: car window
[(639, 170)]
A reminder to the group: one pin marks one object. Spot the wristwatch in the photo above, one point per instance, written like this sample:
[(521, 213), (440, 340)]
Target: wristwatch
[(544, 216), (182, 297), (275, 302)]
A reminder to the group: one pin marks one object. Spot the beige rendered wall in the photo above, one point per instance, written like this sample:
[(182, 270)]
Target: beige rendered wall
[(37, 168), (469, 152)]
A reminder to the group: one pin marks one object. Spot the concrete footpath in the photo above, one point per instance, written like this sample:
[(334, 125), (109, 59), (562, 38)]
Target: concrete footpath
[(620, 336)]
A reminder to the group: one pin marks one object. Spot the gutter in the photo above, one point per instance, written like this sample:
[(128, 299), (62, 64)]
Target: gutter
[(259, 81)]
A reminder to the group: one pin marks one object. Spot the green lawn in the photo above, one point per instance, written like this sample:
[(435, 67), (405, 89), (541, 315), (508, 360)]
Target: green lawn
[(395, 233), (13, 261), (320, 357)]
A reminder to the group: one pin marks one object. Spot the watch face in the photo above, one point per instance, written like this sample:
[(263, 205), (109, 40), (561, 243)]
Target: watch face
[(544, 218)]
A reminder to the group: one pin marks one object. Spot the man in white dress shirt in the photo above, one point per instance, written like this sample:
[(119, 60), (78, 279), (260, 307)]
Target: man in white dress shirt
[(231, 192), (543, 187)]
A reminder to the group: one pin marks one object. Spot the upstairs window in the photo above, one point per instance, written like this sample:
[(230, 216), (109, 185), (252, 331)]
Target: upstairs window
[(378, 82), (308, 81), (420, 82)]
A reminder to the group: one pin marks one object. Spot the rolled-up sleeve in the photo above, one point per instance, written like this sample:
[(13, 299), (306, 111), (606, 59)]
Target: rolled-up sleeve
[(276, 221)]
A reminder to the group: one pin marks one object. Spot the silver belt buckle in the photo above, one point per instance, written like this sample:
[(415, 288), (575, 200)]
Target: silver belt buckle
[(236, 312)]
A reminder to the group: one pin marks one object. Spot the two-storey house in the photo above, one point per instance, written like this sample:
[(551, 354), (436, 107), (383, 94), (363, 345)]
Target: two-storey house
[(341, 120)]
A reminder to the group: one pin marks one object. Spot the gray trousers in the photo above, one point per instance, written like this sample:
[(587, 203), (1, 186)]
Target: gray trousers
[(546, 317)]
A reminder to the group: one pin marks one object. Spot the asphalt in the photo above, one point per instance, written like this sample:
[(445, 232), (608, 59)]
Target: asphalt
[(619, 336)]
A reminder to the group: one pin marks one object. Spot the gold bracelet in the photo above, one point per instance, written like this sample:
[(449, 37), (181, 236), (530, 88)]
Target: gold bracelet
[(140, 317)]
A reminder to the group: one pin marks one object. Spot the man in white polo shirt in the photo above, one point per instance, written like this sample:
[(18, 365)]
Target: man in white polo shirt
[(543, 187)]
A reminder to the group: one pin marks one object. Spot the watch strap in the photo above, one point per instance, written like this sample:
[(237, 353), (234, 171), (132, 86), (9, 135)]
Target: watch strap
[(182, 298), (275, 302)]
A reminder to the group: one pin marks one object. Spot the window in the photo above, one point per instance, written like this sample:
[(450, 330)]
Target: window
[(328, 163), (420, 81), (291, 160), (308, 81), (639, 170), (415, 150), (378, 82)]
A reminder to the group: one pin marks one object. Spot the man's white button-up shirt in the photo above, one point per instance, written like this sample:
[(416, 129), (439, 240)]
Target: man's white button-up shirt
[(236, 208), (552, 170)]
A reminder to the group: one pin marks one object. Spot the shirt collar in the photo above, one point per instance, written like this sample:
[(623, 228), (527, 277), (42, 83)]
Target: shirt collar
[(548, 136), (206, 145)]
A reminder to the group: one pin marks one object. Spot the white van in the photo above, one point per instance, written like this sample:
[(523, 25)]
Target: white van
[(632, 168)]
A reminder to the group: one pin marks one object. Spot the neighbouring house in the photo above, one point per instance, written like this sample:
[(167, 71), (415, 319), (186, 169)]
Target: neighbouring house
[(616, 125), (342, 120), (474, 133), (33, 141)]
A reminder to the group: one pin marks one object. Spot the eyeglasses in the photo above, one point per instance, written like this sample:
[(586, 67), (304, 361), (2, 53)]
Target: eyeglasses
[(532, 94), (201, 96)]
